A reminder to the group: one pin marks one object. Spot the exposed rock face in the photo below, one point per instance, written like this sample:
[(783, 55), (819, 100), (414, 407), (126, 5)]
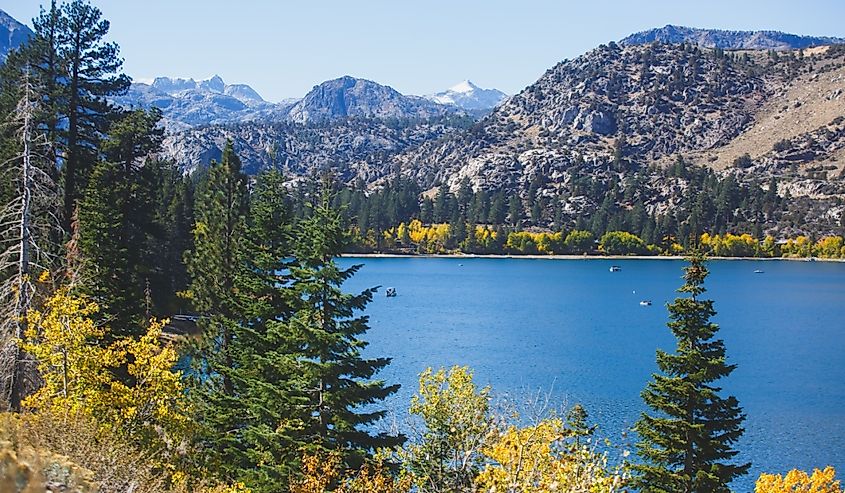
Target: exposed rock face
[(729, 40), (613, 117), (243, 92), (351, 97), (12, 34), (352, 148)]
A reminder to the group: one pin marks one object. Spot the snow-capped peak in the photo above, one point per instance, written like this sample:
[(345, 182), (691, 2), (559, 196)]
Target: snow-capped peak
[(469, 96), (464, 86)]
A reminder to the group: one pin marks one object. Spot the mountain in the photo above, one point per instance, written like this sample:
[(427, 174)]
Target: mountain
[(242, 92), (618, 116), (615, 128), (351, 97), (470, 97), (214, 84), (187, 102), (729, 40), (12, 34)]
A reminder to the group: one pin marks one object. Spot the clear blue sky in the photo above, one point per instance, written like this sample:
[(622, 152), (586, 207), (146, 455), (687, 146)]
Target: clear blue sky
[(283, 48)]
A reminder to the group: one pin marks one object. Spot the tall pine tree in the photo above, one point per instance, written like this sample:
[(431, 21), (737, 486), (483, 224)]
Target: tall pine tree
[(221, 210), (688, 443), (267, 377), (91, 74), (216, 265), (343, 395), (116, 223), (78, 70)]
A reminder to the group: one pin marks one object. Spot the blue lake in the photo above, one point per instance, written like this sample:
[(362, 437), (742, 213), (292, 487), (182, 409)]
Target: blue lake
[(572, 328)]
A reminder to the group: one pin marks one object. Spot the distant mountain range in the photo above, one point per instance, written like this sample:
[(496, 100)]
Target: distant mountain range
[(729, 40), (187, 102), (12, 34)]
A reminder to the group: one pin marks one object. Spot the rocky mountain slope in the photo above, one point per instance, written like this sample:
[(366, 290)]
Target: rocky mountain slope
[(12, 34), (187, 103), (470, 97), (620, 114), (729, 40), (351, 148)]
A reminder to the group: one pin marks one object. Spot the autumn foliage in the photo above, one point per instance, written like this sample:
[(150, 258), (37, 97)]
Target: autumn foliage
[(795, 481)]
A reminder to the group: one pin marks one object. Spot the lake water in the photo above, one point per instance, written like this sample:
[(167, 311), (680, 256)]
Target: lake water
[(572, 328)]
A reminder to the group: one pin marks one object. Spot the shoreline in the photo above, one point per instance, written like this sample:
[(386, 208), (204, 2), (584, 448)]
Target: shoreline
[(577, 257)]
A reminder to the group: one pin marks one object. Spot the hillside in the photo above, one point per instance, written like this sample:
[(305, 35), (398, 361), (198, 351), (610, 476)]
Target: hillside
[(729, 40), (352, 148), (620, 115)]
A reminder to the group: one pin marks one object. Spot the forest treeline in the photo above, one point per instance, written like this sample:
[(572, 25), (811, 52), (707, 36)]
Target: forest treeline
[(163, 332), (400, 218)]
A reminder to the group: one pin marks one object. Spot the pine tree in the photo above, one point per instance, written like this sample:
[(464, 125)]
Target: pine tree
[(78, 71), (108, 272), (264, 448), (216, 265), (221, 212), (92, 67), (169, 236), (340, 379), (116, 223), (687, 443)]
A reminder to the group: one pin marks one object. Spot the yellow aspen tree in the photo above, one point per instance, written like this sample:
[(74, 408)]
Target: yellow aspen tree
[(79, 375), (795, 481)]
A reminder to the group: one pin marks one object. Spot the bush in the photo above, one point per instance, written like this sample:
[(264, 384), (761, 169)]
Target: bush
[(579, 242), (743, 161), (74, 452), (782, 145)]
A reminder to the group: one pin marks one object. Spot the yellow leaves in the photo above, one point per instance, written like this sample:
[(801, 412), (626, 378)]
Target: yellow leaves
[(464, 448), (319, 474), (451, 403), (79, 374), (526, 242), (830, 247), (797, 481), (157, 392), (523, 458), (232, 488), (535, 459), (58, 338), (427, 238), (730, 245)]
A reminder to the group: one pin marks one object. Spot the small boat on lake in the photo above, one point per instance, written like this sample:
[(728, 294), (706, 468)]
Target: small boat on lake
[(758, 271), (645, 303), (390, 292), (615, 268)]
